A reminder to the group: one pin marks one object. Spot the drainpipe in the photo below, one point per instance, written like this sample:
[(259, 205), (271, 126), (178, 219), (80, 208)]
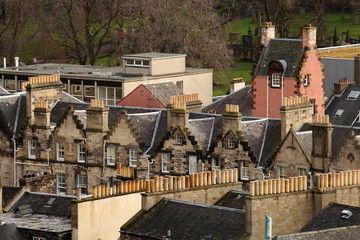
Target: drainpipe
[(104, 158), (148, 168), (14, 166), (268, 227)]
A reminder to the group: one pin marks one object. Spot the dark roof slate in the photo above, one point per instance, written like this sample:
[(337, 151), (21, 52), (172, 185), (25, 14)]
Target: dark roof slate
[(163, 91), (233, 199), (343, 233), (202, 129), (242, 98), (350, 107), (187, 220), (8, 193), (9, 231), (330, 217), (290, 50), (39, 203)]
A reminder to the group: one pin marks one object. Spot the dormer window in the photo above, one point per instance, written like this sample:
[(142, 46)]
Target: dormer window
[(275, 80), (179, 139), (231, 142), (306, 80)]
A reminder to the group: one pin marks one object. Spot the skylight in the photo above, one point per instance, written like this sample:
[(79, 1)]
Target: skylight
[(51, 201), (353, 95), (339, 112)]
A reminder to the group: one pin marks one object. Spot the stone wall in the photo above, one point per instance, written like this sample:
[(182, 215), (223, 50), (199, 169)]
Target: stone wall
[(207, 195)]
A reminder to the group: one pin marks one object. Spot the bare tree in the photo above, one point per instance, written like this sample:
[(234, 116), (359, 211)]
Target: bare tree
[(172, 26), (87, 29)]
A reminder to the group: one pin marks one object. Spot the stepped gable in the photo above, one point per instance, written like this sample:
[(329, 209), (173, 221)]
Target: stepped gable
[(187, 220), (242, 98), (290, 50)]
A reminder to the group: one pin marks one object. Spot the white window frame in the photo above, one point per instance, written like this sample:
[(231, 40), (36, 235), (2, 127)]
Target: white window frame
[(215, 166), (137, 63), (244, 171), (275, 80), (81, 152), (191, 170), (38, 238), (110, 155), (179, 139), (32, 149), (82, 183), (306, 80), (165, 162), (60, 153), (61, 183), (231, 142), (133, 157), (281, 172)]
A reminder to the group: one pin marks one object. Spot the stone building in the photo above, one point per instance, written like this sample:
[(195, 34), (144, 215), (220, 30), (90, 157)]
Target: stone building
[(64, 144)]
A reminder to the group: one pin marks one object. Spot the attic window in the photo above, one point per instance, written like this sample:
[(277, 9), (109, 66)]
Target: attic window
[(353, 95), (137, 63), (339, 112)]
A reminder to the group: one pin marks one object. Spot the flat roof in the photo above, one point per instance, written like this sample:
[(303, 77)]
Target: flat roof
[(154, 55), (86, 72)]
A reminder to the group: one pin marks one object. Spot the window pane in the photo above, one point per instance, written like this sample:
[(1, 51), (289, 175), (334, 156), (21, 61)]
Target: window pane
[(146, 63), (61, 183), (132, 157), (130, 62), (89, 91), (102, 92)]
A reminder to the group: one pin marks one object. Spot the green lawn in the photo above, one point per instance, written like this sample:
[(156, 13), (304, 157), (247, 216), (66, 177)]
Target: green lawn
[(222, 79)]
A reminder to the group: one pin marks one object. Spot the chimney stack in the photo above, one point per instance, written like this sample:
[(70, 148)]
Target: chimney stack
[(97, 116), (236, 84), (192, 102), (16, 61), (294, 112), (321, 142), (309, 37), (42, 88), (42, 115), (178, 115), (340, 86), (267, 33), (232, 119)]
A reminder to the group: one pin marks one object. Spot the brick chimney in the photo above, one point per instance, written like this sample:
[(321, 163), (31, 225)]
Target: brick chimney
[(357, 69), (309, 37), (340, 86), (178, 115), (192, 102), (236, 84), (321, 142), (97, 117), (267, 33), (42, 115), (42, 88), (232, 119), (294, 112)]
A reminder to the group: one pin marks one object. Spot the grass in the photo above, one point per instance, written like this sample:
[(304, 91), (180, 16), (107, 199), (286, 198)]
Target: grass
[(222, 79)]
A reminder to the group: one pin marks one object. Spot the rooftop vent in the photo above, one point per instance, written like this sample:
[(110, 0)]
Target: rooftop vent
[(339, 112), (346, 214), (353, 95), (51, 201)]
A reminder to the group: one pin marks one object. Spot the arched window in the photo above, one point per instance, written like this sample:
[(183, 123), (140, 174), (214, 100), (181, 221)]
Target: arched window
[(276, 69), (179, 139)]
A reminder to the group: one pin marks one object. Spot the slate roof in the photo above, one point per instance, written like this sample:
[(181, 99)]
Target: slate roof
[(330, 217), (187, 220), (43, 203), (10, 231), (8, 193), (343, 233), (9, 106), (306, 140), (242, 97), (350, 108), (163, 91), (3, 90), (233, 199), (263, 136), (202, 129), (338, 136), (290, 50)]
